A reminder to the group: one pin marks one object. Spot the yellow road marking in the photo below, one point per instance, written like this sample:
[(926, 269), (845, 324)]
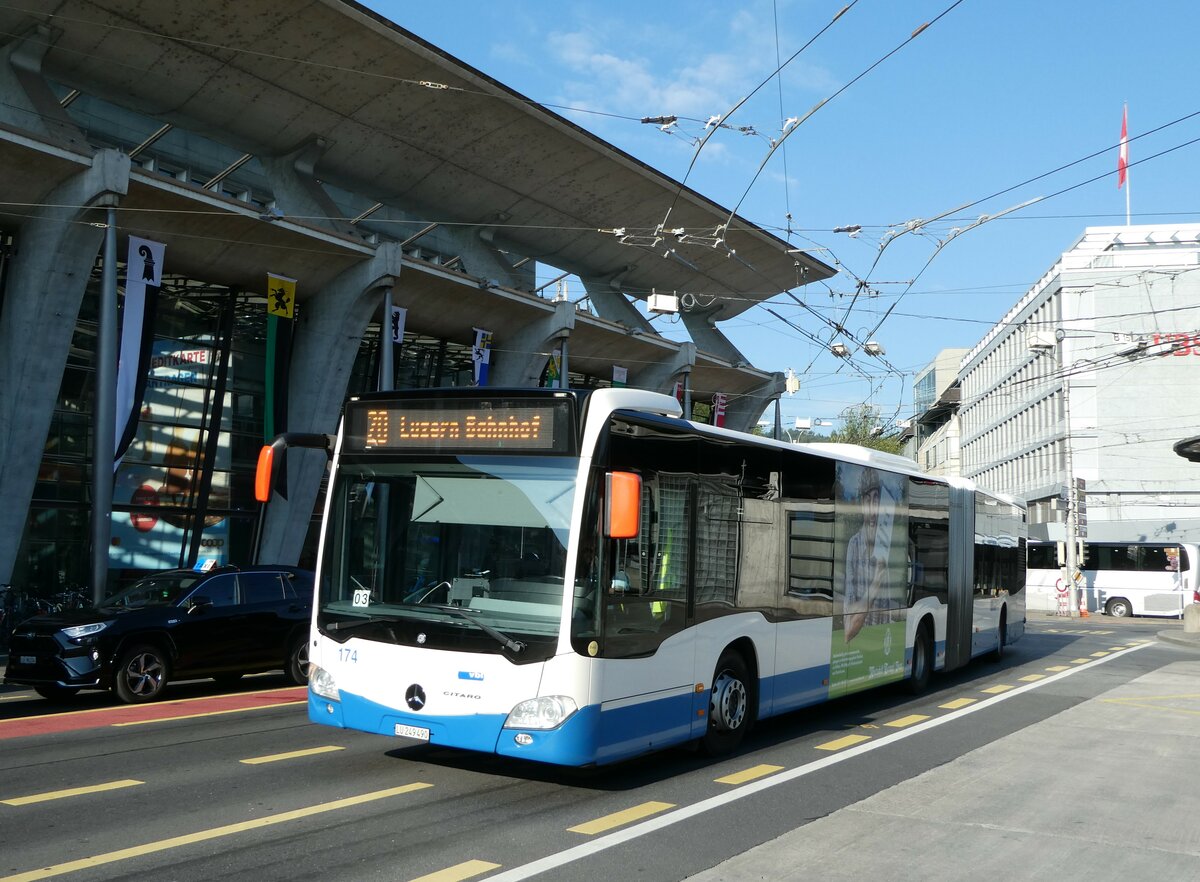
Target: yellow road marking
[(1102, 632), (1100, 654), (616, 819), (1057, 668), (273, 758), (1033, 678), (458, 872), (111, 857), (74, 791), (233, 710), (24, 696), (906, 721), (957, 703), (1080, 661), (848, 741), (1116, 648), (996, 690), (749, 774)]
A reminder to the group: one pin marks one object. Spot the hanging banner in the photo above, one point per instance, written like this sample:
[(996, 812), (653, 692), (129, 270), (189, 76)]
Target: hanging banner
[(553, 370), (620, 377), (281, 296), (481, 355), (720, 399), (399, 317), (143, 276)]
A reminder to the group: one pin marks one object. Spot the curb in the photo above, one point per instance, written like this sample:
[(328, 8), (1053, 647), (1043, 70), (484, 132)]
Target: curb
[(1186, 639)]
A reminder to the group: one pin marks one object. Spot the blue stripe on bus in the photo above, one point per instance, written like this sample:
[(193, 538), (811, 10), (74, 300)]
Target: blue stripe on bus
[(474, 732), (589, 736), (797, 689)]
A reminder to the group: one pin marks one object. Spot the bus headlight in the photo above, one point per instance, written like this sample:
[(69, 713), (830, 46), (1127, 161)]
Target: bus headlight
[(320, 681), (547, 712)]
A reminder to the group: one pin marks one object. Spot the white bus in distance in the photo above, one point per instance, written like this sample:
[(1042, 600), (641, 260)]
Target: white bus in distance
[(590, 577), (1119, 578)]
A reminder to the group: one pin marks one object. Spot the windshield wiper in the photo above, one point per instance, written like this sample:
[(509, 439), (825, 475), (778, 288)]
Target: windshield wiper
[(348, 624), (499, 636)]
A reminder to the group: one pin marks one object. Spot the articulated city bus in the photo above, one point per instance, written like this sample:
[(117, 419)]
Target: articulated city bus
[(581, 578)]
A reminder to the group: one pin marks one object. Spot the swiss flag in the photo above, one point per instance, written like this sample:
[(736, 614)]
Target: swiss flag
[(1123, 156)]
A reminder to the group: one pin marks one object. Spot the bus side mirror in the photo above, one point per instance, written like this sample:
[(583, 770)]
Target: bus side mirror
[(263, 473), (623, 505)]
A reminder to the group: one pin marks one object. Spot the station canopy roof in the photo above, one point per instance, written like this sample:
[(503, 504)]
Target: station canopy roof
[(406, 124)]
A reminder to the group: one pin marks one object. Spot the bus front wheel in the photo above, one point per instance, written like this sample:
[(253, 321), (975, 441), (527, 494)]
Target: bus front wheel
[(730, 712)]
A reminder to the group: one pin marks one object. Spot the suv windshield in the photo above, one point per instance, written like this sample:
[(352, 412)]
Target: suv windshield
[(164, 589), (461, 543)]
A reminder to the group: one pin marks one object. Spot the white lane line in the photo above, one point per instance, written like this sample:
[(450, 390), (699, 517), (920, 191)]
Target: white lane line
[(618, 837)]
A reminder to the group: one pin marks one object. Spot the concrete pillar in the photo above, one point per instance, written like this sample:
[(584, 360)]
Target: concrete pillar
[(743, 412), (299, 194), (661, 377), (611, 304), (55, 252), (701, 327), (327, 340), (29, 104), (523, 357)]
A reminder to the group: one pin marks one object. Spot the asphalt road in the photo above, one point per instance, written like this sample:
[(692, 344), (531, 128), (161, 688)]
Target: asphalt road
[(210, 787)]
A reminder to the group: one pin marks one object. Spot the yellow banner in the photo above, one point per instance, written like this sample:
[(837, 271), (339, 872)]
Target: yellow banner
[(281, 296)]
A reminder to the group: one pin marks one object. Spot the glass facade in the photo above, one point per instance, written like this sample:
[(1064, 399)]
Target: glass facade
[(184, 489)]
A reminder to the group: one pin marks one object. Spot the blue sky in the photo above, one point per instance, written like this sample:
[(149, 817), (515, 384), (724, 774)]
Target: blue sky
[(990, 95)]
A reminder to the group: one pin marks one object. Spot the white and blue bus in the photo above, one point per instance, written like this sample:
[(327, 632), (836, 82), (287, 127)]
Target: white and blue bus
[(581, 578)]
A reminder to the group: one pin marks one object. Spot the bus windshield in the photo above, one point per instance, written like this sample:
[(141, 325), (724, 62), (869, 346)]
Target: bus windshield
[(448, 545)]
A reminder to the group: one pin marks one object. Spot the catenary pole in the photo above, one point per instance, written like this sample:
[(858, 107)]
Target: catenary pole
[(105, 412)]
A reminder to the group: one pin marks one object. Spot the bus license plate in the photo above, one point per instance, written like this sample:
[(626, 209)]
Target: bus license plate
[(412, 732), (29, 660)]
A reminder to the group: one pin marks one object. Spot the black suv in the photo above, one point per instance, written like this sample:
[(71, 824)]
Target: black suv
[(175, 624)]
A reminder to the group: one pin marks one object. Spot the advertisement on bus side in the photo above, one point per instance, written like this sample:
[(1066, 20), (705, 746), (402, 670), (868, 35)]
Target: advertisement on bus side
[(868, 578)]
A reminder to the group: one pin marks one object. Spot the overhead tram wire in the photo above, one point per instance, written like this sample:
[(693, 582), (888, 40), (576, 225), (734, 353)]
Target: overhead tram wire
[(947, 214), (786, 134), (787, 195), (1091, 180), (717, 122)]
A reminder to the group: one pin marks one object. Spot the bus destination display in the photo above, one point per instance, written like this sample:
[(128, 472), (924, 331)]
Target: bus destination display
[(462, 426)]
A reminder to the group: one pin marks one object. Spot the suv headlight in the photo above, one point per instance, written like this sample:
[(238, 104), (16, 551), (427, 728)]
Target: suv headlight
[(320, 681), (77, 631), (548, 712)]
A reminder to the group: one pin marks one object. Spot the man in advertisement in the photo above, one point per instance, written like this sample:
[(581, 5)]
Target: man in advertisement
[(869, 575)]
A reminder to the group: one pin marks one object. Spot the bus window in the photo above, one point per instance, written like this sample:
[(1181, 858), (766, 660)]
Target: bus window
[(1042, 556)]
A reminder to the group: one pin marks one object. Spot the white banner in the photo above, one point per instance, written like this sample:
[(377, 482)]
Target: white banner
[(143, 269), (399, 317), (481, 355)]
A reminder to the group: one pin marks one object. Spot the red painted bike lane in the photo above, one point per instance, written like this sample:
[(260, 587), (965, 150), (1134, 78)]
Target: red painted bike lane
[(162, 711)]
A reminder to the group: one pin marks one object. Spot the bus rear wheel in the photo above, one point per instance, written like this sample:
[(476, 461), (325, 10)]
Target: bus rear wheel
[(730, 711), (997, 654), (1119, 608), (922, 660)]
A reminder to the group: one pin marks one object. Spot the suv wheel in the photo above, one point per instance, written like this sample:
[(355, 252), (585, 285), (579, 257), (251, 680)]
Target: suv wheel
[(141, 675), (296, 667)]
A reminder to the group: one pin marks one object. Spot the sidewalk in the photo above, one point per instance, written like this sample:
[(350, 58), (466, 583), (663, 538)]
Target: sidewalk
[(1101, 791)]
